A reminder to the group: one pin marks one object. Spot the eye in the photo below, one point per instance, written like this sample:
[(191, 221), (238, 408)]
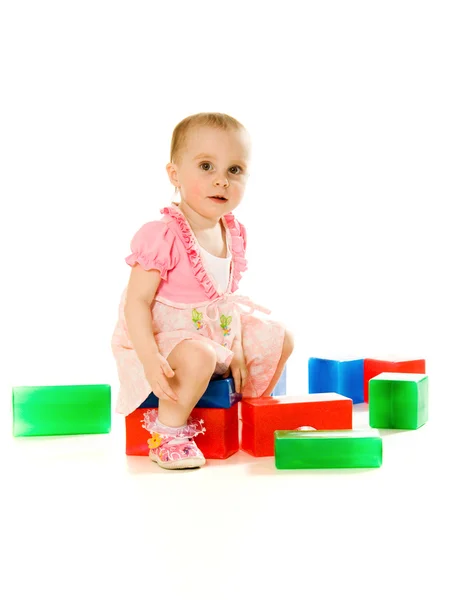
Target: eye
[(205, 163), (236, 167)]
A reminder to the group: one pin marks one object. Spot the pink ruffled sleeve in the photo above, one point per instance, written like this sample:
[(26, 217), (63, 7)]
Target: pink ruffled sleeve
[(154, 247)]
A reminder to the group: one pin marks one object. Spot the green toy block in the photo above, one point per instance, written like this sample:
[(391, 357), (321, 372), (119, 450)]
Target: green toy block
[(61, 410), (398, 401), (343, 449)]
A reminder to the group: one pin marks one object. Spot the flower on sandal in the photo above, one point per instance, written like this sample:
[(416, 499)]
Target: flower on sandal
[(154, 441)]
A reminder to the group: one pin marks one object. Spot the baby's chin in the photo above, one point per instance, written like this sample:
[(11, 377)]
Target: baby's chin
[(208, 207)]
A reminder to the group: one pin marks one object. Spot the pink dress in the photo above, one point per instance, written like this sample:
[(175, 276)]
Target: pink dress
[(188, 305)]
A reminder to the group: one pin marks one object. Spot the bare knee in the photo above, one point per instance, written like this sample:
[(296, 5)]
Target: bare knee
[(288, 344), (193, 356)]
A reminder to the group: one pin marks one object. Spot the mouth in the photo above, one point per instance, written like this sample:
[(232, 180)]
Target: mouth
[(218, 198)]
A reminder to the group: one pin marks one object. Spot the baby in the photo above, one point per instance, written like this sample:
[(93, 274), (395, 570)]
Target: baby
[(180, 321)]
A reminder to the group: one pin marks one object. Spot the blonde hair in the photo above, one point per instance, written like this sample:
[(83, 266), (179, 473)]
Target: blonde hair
[(205, 119)]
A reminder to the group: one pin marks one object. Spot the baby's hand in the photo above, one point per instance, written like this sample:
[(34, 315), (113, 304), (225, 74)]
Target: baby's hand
[(238, 367), (157, 371)]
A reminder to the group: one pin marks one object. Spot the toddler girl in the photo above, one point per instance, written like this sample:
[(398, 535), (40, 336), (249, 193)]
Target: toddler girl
[(180, 322)]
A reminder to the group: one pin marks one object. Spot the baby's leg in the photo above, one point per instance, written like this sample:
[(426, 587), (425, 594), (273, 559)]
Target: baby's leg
[(288, 347), (194, 362)]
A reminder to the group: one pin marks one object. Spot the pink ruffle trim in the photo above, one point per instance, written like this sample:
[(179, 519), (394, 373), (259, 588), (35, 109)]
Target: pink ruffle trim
[(192, 428), (146, 263), (238, 247), (238, 244)]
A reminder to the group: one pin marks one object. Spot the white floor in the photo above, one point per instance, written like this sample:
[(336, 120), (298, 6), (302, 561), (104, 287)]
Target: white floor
[(82, 520)]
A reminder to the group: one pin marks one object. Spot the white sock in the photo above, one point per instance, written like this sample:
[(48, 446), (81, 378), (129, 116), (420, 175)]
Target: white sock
[(170, 430)]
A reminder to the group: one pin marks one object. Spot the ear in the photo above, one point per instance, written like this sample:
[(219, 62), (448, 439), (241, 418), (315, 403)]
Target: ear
[(173, 175)]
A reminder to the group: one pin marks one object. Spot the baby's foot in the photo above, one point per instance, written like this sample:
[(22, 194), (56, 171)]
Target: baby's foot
[(174, 447), (176, 453)]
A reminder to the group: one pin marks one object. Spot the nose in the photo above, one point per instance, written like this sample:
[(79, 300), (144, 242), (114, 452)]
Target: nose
[(222, 181)]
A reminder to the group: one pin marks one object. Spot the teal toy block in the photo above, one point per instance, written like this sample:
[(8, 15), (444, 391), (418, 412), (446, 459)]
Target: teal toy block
[(352, 448), (398, 401), (61, 410)]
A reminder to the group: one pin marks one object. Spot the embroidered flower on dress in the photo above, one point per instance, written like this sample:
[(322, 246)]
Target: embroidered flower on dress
[(197, 318), (225, 323)]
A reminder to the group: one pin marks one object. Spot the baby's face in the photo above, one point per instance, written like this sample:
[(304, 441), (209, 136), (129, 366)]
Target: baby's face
[(213, 162)]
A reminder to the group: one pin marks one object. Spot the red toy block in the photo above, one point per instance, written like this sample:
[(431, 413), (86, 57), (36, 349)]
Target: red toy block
[(220, 440), (374, 367), (261, 417)]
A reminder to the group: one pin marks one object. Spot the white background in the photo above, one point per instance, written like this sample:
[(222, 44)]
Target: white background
[(346, 210)]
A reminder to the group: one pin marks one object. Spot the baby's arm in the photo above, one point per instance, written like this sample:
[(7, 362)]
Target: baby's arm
[(142, 288)]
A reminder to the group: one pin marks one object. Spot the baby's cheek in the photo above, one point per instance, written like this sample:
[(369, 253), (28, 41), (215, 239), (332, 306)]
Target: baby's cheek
[(197, 189)]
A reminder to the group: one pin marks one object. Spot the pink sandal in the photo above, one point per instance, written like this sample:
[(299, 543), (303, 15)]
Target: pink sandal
[(174, 450)]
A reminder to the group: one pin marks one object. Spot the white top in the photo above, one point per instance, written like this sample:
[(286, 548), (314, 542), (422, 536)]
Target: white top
[(219, 268)]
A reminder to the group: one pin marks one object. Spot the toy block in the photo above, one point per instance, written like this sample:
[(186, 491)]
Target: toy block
[(61, 410), (323, 375), (280, 388), (353, 449), (398, 401), (373, 367), (345, 377), (220, 440), (220, 393), (261, 417)]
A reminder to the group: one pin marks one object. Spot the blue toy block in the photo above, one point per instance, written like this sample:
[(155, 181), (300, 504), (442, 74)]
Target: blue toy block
[(351, 379), (220, 393), (280, 388), (323, 375), (345, 377)]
